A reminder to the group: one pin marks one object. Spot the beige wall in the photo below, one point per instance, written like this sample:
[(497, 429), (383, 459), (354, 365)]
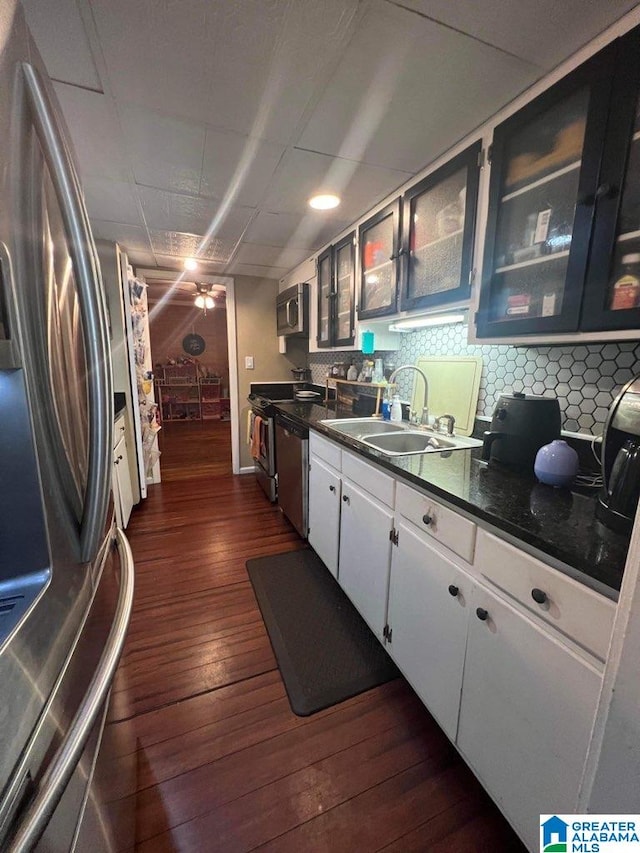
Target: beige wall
[(170, 324), (256, 334)]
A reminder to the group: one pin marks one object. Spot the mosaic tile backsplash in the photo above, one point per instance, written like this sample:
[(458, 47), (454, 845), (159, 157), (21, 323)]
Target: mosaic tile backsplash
[(584, 378)]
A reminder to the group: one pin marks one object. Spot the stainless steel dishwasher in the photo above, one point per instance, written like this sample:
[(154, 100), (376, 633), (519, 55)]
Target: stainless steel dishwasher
[(292, 464)]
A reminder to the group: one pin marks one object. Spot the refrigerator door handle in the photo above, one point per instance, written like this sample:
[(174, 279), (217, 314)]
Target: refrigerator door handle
[(65, 760), (93, 308)]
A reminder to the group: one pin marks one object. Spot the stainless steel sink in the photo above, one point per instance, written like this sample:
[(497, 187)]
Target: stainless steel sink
[(408, 442), (398, 440), (358, 428)]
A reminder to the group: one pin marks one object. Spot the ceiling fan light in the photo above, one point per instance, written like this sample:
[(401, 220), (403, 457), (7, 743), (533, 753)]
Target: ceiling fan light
[(208, 302), (200, 301), (324, 201)]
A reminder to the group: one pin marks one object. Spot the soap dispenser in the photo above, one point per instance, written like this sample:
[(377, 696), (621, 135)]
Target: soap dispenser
[(396, 408)]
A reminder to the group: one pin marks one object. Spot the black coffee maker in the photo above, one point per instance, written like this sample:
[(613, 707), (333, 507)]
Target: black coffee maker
[(621, 460)]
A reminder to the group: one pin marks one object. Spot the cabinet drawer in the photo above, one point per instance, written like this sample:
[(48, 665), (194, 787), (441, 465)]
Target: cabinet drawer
[(445, 525), (573, 608), (327, 450), (369, 478), (118, 429)]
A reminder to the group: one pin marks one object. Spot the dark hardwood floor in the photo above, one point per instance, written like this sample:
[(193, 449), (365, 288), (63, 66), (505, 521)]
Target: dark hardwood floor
[(222, 762)]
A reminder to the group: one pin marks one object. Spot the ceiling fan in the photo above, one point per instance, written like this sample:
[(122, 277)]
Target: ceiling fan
[(208, 294)]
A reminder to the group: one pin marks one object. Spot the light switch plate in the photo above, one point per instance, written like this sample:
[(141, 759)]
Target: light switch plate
[(248, 362)]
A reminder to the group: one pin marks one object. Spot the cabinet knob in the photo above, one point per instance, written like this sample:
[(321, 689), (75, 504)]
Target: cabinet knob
[(427, 519), (453, 590), (121, 429), (345, 498), (482, 614), (539, 595), (607, 190), (332, 488)]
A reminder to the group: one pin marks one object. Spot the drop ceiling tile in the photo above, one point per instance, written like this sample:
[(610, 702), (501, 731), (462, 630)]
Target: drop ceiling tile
[(54, 27), (544, 32), (295, 231), (95, 133), (111, 200), (237, 167), (167, 211), (258, 271), (165, 152), (253, 253), (130, 237), (407, 89), (270, 59), (303, 173), (158, 54), (183, 245)]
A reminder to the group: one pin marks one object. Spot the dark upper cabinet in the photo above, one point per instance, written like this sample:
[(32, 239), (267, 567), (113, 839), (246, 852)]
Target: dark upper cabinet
[(379, 241), (336, 294), (558, 224), (438, 217), (611, 299)]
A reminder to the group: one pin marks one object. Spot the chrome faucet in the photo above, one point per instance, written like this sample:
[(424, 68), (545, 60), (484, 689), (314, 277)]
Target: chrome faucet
[(413, 417)]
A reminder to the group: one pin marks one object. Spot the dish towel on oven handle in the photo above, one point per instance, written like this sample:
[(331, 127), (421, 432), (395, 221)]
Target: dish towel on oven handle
[(256, 437)]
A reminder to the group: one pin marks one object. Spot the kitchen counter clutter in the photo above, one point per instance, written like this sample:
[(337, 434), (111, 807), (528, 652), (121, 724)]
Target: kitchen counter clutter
[(560, 524)]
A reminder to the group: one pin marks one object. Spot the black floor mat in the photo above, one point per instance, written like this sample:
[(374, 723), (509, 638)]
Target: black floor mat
[(325, 650)]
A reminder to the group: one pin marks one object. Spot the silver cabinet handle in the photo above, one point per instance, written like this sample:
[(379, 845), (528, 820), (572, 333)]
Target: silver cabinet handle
[(64, 762), (92, 304)]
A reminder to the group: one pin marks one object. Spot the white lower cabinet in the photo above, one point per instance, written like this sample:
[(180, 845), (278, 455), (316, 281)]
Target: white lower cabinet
[(429, 599), (528, 704), (365, 553), (510, 686), (324, 512)]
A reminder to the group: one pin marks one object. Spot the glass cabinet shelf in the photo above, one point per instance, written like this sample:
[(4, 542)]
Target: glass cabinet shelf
[(552, 176), (438, 240), (629, 235), (542, 259)]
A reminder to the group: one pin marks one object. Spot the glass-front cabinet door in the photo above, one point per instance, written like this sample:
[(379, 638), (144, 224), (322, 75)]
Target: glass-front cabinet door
[(438, 224), (344, 290), (544, 179), (379, 262), (612, 293), (336, 294), (325, 297)]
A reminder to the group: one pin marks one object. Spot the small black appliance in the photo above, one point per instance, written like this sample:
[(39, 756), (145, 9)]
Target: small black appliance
[(521, 425), (618, 499)]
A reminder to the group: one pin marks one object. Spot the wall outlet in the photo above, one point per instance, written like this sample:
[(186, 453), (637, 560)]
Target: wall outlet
[(248, 362)]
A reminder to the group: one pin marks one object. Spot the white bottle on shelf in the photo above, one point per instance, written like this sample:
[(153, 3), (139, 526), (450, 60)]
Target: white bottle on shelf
[(396, 408)]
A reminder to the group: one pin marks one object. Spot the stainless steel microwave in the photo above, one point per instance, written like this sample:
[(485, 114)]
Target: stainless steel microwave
[(292, 310)]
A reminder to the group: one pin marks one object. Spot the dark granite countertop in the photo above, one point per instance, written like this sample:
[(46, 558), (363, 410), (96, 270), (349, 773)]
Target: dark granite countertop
[(558, 522)]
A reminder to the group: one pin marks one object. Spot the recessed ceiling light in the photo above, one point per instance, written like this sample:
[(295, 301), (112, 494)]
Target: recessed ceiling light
[(326, 201), (191, 264)]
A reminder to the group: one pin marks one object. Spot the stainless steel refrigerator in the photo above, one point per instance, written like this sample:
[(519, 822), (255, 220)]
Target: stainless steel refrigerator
[(66, 572)]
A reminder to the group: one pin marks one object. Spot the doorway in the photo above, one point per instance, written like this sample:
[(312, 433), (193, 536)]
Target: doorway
[(193, 348)]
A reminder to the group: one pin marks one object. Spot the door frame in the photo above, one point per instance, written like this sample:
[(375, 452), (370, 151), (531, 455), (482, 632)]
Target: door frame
[(174, 276)]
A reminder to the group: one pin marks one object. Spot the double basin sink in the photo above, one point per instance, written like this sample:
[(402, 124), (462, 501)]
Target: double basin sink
[(394, 439)]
